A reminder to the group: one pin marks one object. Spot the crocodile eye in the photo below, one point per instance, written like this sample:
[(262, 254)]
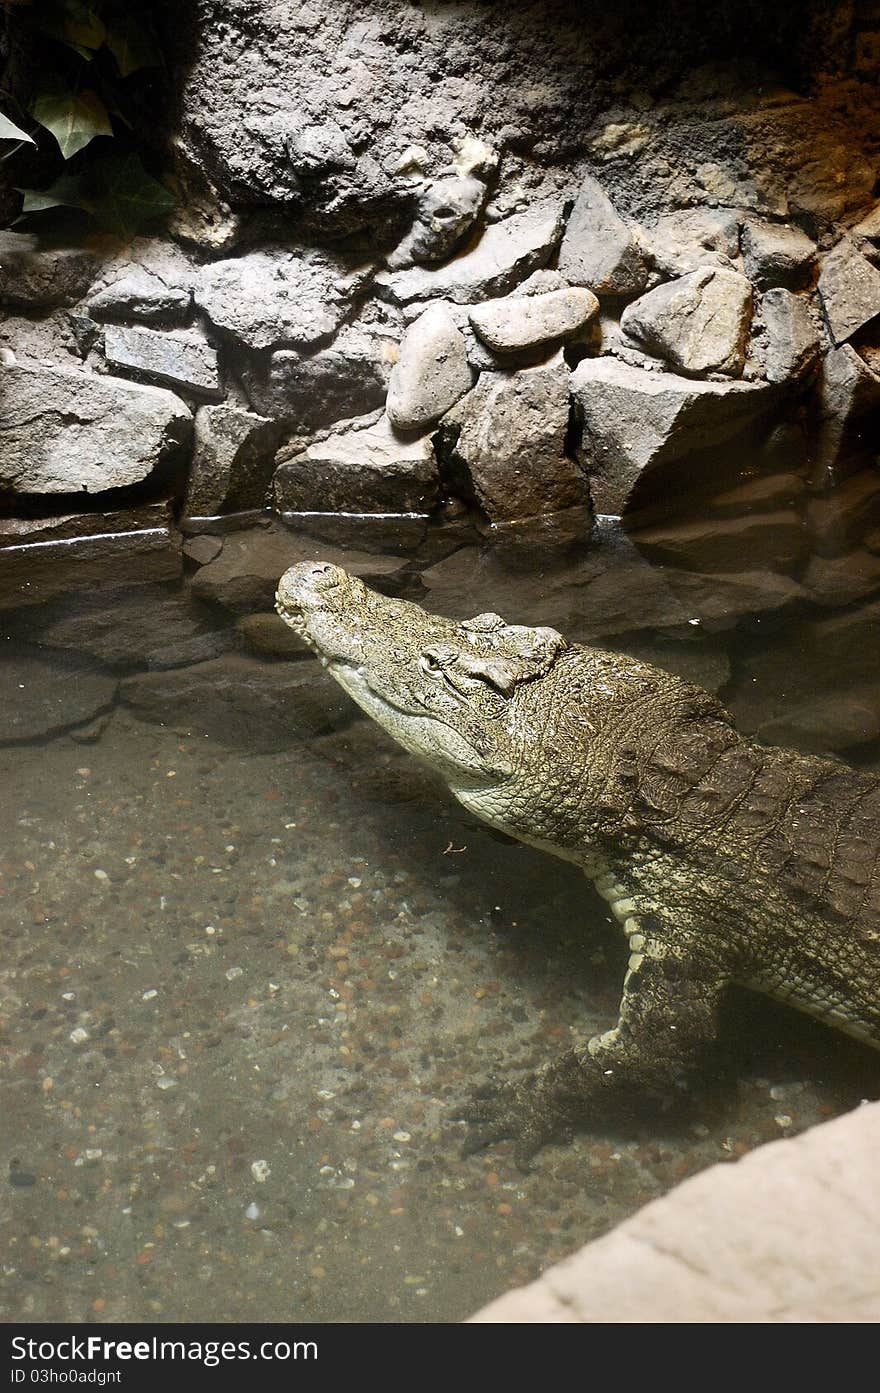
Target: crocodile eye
[(437, 657)]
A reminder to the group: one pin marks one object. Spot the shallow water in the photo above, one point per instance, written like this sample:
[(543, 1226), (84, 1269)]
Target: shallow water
[(246, 980)]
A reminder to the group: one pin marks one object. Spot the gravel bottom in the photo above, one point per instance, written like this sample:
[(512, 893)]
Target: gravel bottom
[(241, 994)]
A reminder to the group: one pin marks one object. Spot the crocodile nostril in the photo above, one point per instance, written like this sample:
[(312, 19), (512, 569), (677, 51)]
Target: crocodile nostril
[(324, 574)]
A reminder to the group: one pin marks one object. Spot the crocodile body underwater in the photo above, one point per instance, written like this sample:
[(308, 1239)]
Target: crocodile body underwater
[(724, 861)]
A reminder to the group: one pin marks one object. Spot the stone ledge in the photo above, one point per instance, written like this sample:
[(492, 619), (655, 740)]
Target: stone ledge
[(788, 1234)]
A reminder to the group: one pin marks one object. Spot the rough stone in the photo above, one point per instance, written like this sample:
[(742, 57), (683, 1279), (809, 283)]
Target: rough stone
[(397, 534), (244, 577), (431, 372), (315, 390), (610, 590), (775, 254), (721, 599), (268, 633), (173, 359), (66, 432), (42, 698), (781, 1236), (689, 238), (130, 626), (447, 211), (849, 287), (318, 121), (232, 462), (240, 700), (841, 580), (278, 296), (759, 492), (68, 559), (69, 527), (598, 249), (367, 470), (777, 540), (609, 338), (45, 340), (818, 686), (517, 323), (142, 295), (542, 282), (505, 254), (504, 444), (848, 391), (869, 226), (635, 422), (202, 548), (791, 340), (35, 276), (696, 660), (699, 323), (846, 514)]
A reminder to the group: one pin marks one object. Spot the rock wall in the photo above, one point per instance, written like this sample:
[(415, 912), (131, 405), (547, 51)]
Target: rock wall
[(434, 205), (448, 271)]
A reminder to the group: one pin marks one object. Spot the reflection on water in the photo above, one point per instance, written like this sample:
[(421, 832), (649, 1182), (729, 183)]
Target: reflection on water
[(253, 954)]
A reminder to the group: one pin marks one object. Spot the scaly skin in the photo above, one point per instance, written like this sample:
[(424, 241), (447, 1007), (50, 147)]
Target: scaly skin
[(724, 861)]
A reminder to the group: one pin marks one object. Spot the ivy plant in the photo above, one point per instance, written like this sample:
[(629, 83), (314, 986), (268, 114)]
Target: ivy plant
[(91, 53)]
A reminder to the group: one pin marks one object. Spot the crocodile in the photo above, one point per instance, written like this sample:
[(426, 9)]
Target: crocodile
[(724, 861)]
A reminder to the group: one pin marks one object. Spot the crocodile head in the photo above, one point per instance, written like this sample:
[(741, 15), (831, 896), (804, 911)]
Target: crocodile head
[(459, 694)]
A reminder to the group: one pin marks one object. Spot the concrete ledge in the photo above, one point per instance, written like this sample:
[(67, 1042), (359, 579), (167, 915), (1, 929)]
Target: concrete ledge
[(790, 1233)]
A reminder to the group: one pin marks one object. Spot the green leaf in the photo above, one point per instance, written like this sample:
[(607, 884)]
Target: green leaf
[(10, 131), (69, 191), (83, 27), (74, 24), (74, 118), (132, 45), (124, 197)]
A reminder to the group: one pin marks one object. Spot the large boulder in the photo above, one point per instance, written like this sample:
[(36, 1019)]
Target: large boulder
[(243, 575), (43, 696), (241, 700), (79, 553), (129, 626), (70, 432), (517, 323), (598, 249), (781, 1236), (232, 463), (776, 539), (608, 594), (775, 254), (699, 323), (849, 287), (635, 422), (689, 238), (817, 687), (313, 389), (848, 391), (369, 469), (503, 445), (35, 277), (277, 296), (184, 361), (431, 372), (791, 341)]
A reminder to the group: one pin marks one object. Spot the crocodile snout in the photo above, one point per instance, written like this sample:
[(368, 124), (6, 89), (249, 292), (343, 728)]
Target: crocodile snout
[(302, 586)]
